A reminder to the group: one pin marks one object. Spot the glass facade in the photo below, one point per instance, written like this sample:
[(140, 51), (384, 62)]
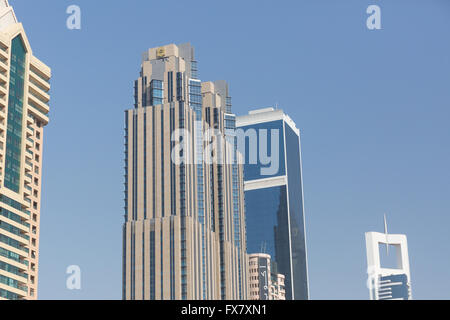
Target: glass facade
[(156, 92), (13, 243), (296, 214), (12, 283), (8, 295), (15, 115), (12, 255), (268, 226), (195, 102), (194, 70), (274, 214), (262, 135), (230, 126), (12, 203), (182, 201)]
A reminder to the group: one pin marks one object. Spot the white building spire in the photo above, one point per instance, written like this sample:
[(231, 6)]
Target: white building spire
[(386, 234)]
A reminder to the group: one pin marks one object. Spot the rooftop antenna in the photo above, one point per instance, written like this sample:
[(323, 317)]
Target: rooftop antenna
[(276, 105), (386, 234), (263, 247)]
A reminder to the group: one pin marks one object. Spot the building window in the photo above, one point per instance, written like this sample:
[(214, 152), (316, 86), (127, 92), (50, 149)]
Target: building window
[(156, 92), (15, 116)]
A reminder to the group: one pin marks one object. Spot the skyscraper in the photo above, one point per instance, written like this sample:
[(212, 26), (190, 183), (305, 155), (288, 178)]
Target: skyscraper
[(265, 282), (24, 98), (386, 281), (184, 230), (270, 145)]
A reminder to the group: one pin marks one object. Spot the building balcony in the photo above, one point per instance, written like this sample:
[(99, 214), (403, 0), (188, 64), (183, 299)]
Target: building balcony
[(40, 69), (3, 102), (29, 142), (3, 67), (38, 109), (38, 102), (39, 82), (28, 165), (4, 55), (27, 191), (3, 80), (30, 120), (28, 178), (39, 93), (30, 131)]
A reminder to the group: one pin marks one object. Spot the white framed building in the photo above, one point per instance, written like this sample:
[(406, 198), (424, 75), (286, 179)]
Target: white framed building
[(388, 283)]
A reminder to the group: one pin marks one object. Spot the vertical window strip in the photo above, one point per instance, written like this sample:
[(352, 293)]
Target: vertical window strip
[(136, 83), (179, 86), (153, 164), (221, 230), (182, 211), (152, 265), (162, 262), (195, 100), (133, 261), (143, 264), (156, 92), (173, 187), (213, 213), (172, 261), (145, 165), (124, 261), (170, 86), (135, 165), (126, 167), (15, 116), (162, 164)]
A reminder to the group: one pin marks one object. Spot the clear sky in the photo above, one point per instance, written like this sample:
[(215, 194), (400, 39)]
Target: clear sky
[(373, 108)]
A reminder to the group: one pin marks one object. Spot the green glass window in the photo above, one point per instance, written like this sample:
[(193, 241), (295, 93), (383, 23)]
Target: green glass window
[(15, 115)]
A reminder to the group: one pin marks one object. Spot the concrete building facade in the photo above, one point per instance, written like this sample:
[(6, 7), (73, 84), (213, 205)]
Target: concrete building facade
[(265, 282), (388, 282), (184, 230), (24, 98)]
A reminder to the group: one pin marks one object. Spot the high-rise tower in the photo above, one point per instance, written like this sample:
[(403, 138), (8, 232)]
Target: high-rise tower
[(24, 98), (184, 231), (265, 282), (388, 281), (270, 144)]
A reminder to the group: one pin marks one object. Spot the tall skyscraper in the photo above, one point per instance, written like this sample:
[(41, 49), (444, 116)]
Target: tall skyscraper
[(386, 281), (274, 194), (265, 282), (184, 230), (24, 98)]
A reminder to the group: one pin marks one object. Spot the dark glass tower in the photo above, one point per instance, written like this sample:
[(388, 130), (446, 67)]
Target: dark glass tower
[(274, 194)]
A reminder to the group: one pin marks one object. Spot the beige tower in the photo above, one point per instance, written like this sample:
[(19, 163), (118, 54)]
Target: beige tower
[(184, 231), (24, 98), (265, 282)]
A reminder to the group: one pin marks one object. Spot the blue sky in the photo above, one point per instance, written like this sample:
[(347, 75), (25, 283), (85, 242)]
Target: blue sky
[(373, 108)]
